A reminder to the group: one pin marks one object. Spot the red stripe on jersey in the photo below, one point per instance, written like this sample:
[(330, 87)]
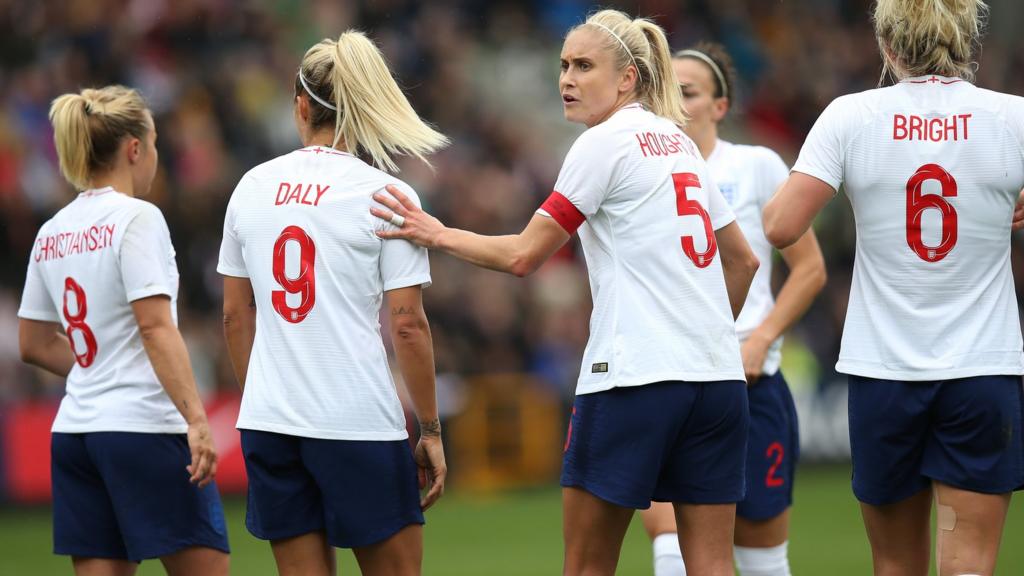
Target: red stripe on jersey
[(564, 212)]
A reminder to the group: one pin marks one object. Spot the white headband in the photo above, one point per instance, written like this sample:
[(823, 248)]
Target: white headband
[(714, 67), (616, 36), (322, 102)]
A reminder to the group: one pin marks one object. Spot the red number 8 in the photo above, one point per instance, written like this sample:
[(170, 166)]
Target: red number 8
[(917, 203), (304, 283), (77, 322)]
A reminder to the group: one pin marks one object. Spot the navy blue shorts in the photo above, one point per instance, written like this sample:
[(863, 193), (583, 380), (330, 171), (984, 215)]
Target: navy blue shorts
[(680, 442), (358, 492), (773, 449), (965, 433), (126, 496)]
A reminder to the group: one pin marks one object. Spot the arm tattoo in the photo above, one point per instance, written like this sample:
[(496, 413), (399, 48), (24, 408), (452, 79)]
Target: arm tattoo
[(402, 310), (430, 428)]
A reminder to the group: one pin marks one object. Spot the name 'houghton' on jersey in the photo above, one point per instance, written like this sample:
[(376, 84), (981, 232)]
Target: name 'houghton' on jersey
[(661, 310), (932, 166), (299, 228)]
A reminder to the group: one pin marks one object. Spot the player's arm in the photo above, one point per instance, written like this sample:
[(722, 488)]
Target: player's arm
[(789, 213), (45, 345), (414, 350), (739, 264), (239, 324), (806, 278), (520, 254), (169, 357)]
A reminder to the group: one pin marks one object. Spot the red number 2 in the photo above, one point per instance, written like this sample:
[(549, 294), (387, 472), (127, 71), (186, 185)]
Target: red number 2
[(303, 284), (917, 203), (76, 323), (771, 480), (687, 207)]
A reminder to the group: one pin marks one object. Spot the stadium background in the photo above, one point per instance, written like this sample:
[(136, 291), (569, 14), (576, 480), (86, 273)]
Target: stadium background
[(218, 75)]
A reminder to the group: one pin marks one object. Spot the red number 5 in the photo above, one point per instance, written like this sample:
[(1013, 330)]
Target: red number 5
[(687, 207), (917, 203), (76, 323), (303, 284)]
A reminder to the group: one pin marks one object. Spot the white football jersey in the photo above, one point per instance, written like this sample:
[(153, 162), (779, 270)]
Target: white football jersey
[(661, 310), (747, 177), (932, 167), (98, 254), (299, 228)]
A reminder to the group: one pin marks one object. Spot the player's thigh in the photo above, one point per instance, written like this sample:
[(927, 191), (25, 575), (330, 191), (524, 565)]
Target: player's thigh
[(370, 488), (969, 526), (158, 510), (401, 554), (705, 535), (197, 560), (84, 521), (621, 439), (707, 460), (976, 438), (283, 499), (307, 554), (592, 529), (889, 430), (103, 567), (899, 534), (773, 447)]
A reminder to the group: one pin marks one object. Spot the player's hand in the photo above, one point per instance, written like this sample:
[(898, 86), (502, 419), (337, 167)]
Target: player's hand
[(753, 351), (419, 227), (429, 455), (204, 456), (1018, 213)]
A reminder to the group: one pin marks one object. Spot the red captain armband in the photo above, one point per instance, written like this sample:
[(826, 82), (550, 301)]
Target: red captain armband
[(564, 212)]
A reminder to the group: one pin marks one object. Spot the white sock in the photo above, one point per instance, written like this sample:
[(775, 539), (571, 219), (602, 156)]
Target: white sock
[(762, 561), (668, 559)]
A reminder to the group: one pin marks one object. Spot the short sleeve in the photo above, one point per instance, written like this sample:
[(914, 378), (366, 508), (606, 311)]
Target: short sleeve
[(773, 173), (823, 150), (147, 256), (36, 303), (402, 263), (231, 261), (718, 207), (586, 174)]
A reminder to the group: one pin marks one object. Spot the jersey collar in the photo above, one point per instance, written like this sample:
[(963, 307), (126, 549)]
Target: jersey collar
[(933, 79), (96, 191), (319, 150)]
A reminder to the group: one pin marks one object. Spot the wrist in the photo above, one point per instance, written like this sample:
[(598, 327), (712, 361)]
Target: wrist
[(442, 241), (430, 427), (760, 338)]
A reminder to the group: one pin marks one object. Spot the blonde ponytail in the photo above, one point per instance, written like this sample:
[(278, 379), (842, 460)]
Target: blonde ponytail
[(920, 37), (372, 114), (642, 43), (88, 129)]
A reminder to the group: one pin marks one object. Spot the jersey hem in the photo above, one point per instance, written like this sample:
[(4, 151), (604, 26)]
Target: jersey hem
[(407, 281), (38, 315), (382, 435), (867, 371), (664, 377), (127, 427)]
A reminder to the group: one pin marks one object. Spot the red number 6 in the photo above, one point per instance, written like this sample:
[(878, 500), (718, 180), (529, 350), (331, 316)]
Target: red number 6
[(303, 284), (917, 203)]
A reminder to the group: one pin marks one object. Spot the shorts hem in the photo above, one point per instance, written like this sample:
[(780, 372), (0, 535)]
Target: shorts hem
[(167, 550), (283, 534), (878, 499), (604, 496), (708, 499), (380, 535), (762, 513), (61, 551), (990, 489)]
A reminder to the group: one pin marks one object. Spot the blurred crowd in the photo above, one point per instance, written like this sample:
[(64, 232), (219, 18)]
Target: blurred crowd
[(218, 75)]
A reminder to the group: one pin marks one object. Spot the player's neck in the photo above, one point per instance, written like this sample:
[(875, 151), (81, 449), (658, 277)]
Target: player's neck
[(120, 181), (705, 141), (325, 139)]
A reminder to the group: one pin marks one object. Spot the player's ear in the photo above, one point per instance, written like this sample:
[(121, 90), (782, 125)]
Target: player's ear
[(720, 108), (134, 150)]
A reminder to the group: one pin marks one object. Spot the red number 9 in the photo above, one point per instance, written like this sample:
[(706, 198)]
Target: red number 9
[(303, 284)]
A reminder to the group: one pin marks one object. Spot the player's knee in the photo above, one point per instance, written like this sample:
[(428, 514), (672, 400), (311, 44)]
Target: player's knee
[(772, 561)]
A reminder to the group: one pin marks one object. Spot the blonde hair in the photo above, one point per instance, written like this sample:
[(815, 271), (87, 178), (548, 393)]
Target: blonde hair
[(88, 129), (919, 37), (372, 112), (642, 43)]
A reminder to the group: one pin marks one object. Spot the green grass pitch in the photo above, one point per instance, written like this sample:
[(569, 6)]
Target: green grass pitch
[(519, 534)]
